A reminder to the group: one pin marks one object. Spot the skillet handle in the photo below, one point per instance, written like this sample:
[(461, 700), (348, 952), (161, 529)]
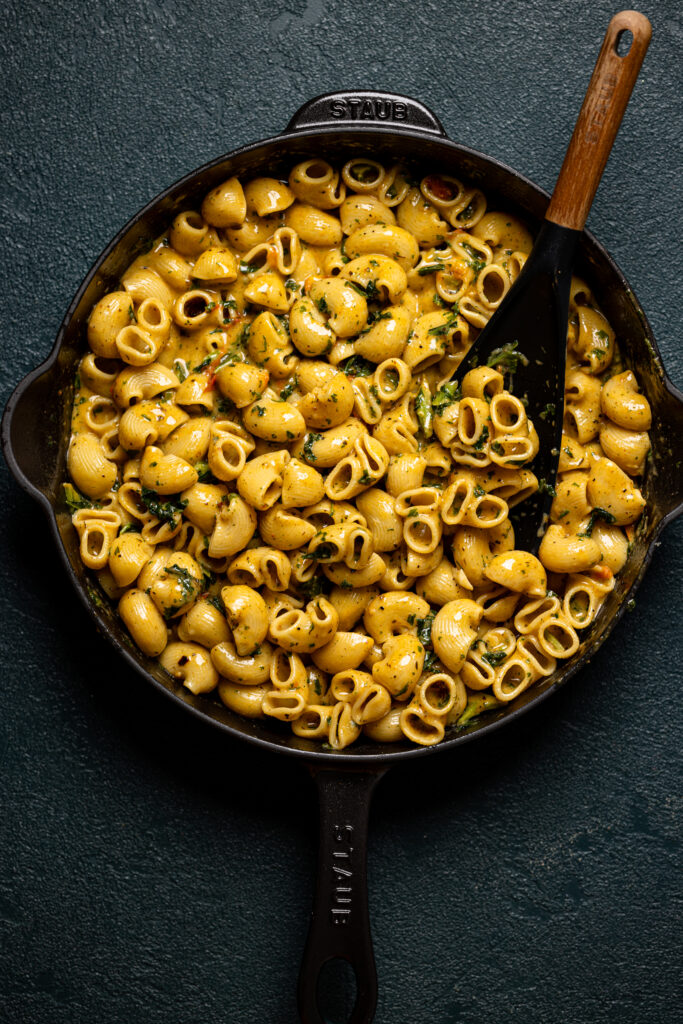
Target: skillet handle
[(368, 108), (340, 923), (30, 437), (667, 428)]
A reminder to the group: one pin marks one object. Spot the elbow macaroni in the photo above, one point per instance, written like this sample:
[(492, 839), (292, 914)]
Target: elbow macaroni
[(292, 503)]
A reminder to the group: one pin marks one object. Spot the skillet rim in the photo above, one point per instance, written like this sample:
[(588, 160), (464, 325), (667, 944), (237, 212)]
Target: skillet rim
[(383, 758)]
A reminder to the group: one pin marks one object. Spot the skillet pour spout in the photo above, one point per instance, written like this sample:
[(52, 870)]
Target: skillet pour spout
[(35, 433)]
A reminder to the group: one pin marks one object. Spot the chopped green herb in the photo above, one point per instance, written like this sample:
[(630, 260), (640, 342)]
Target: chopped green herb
[(243, 336), (424, 630), (311, 439), (289, 388), (475, 262), (235, 354), (204, 473), (430, 662), (430, 268), (424, 411), (189, 584), (445, 396), (357, 288), (374, 318), (478, 445), (180, 369), (217, 601), (166, 508), (597, 513), (494, 657), (206, 361), (75, 500), (356, 366), (313, 587), (545, 488), (507, 358), (477, 705), (448, 325)]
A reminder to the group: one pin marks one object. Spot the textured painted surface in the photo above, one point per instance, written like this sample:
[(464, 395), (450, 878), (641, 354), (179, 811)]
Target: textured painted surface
[(150, 870)]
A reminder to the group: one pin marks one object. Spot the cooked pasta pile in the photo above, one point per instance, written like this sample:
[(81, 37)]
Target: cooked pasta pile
[(293, 503)]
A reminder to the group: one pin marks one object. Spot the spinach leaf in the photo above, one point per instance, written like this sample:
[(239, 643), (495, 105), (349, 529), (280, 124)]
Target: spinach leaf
[(165, 507)]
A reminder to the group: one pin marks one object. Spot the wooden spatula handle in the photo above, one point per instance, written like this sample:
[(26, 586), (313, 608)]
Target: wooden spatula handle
[(599, 118)]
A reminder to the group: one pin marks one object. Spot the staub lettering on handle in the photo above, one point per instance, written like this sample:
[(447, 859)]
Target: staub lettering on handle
[(342, 891), (599, 115), (357, 108)]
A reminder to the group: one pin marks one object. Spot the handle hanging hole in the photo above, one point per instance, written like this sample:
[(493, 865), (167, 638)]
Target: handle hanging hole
[(336, 991), (622, 44)]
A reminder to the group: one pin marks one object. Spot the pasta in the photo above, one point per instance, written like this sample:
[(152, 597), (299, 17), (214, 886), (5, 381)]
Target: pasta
[(295, 507)]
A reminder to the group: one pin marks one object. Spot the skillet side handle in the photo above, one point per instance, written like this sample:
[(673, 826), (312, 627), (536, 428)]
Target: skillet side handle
[(607, 96), (340, 923), (668, 429), (367, 108), (29, 439)]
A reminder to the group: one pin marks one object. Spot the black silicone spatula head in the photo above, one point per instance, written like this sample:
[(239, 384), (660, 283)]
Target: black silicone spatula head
[(526, 340), (528, 332)]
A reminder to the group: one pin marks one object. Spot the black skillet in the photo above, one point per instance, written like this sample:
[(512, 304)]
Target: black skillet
[(35, 434)]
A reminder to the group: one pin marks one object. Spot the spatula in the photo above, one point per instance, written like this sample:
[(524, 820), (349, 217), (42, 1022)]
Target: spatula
[(532, 318)]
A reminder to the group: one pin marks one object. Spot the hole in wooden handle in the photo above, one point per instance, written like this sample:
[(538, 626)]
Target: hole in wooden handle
[(622, 44)]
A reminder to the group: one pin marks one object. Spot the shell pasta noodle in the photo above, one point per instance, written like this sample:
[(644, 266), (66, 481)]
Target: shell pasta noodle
[(295, 507)]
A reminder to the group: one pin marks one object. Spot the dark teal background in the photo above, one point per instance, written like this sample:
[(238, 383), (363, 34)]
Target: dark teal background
[(153, 871)]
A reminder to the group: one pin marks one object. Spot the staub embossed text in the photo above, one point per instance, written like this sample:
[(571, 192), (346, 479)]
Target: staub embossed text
[(363, 109), (342, 891)]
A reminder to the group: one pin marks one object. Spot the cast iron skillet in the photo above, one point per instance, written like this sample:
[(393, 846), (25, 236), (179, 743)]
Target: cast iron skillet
[(35, 434)]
